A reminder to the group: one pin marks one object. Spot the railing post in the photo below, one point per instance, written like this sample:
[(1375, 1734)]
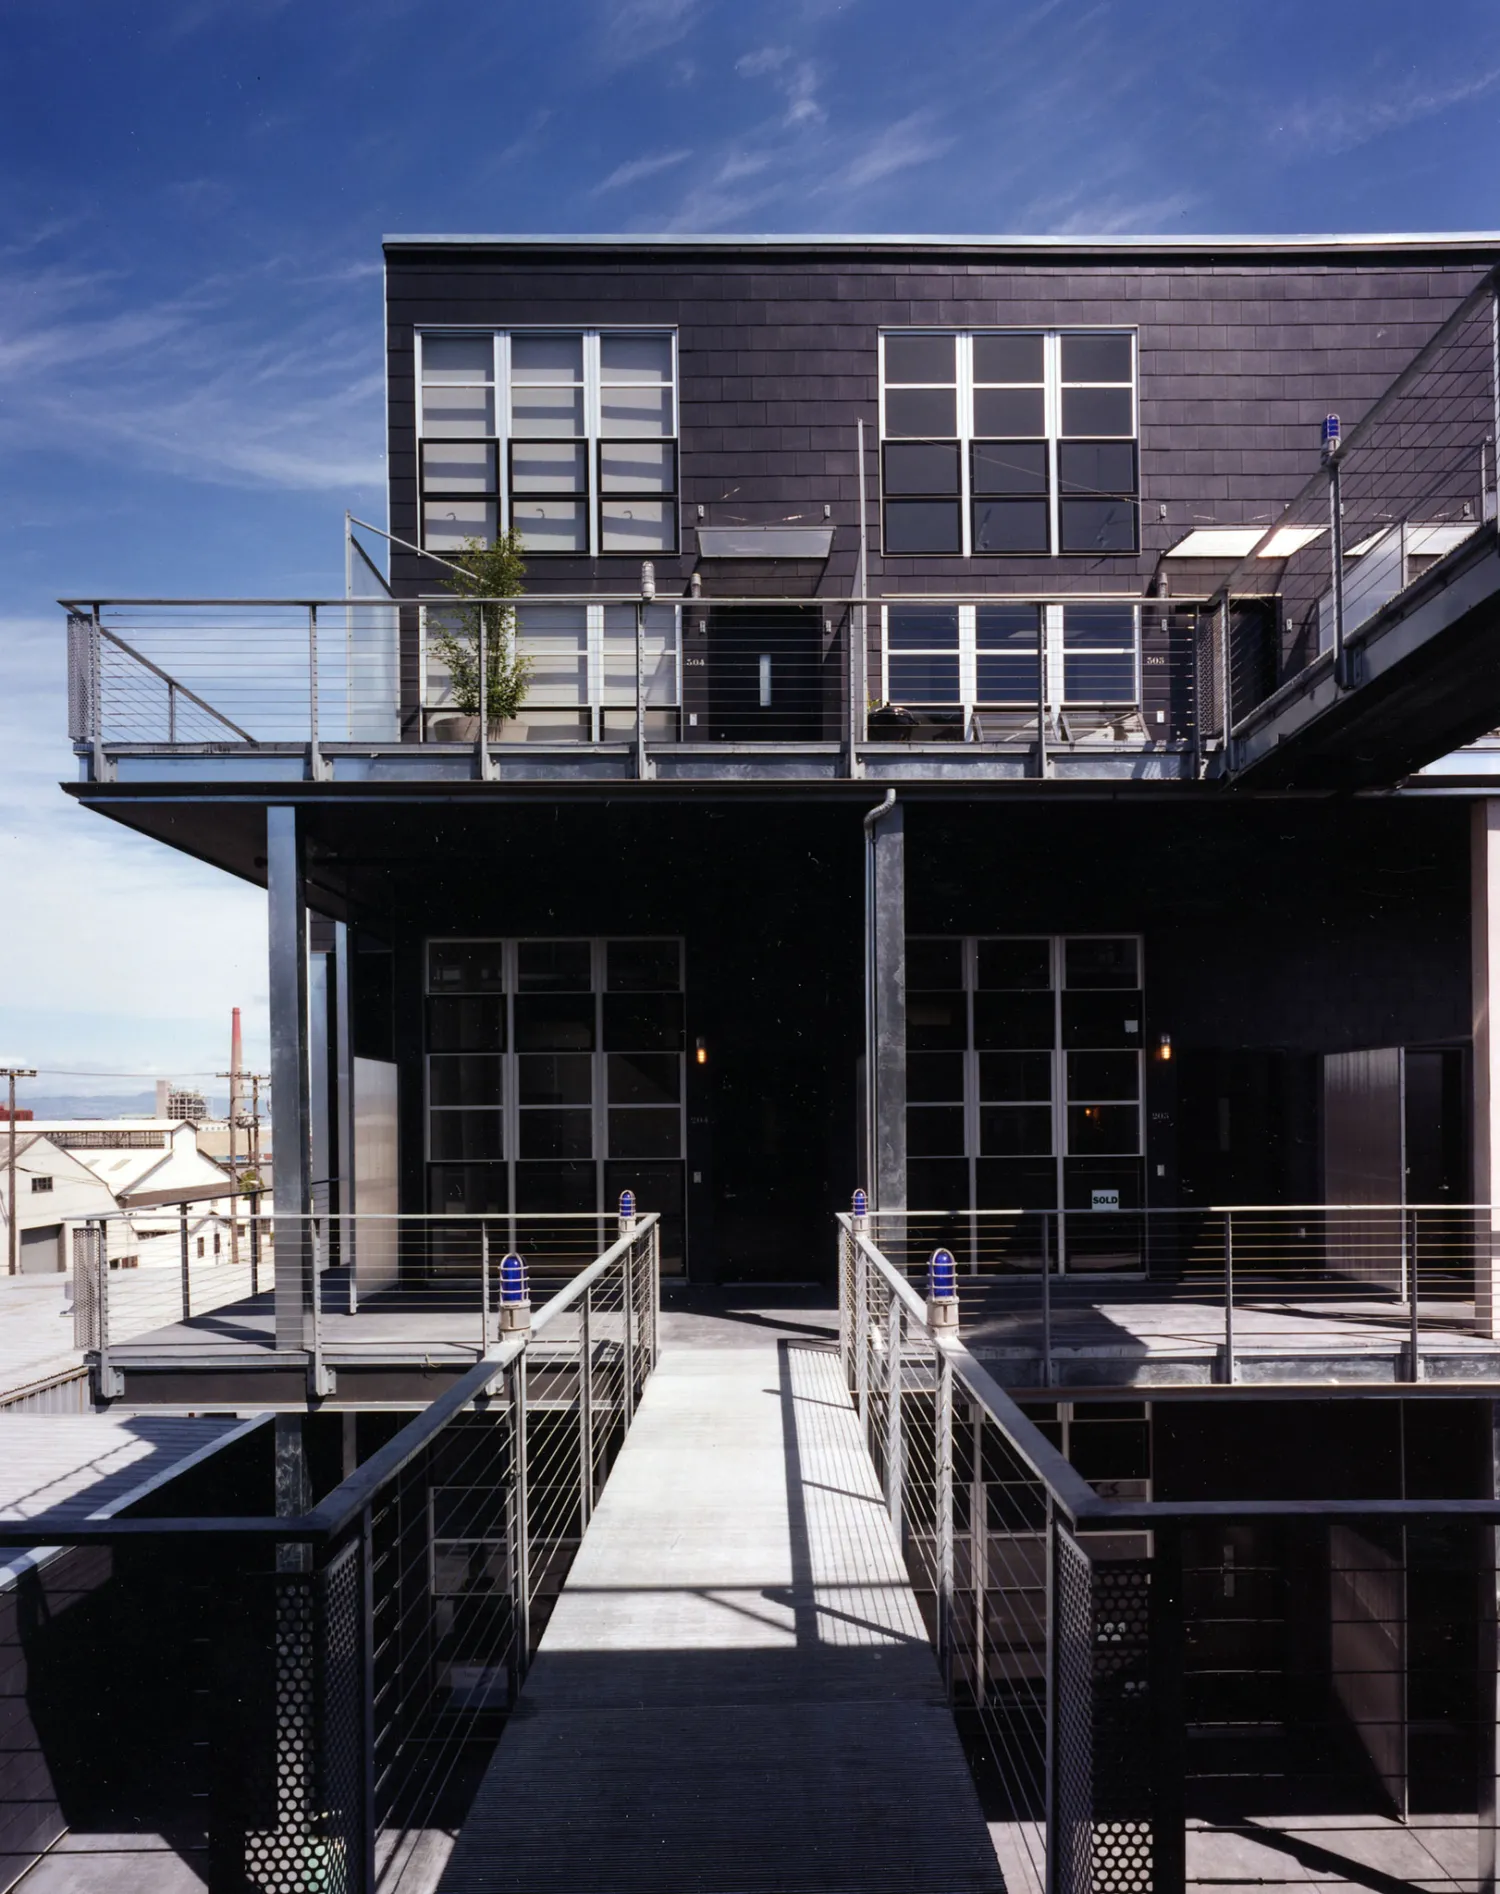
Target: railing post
[(862, 1338), (255, 1242), (96, 698), (187, 1289), (171, 712), (586, 1409), (483, 1286), (979, 1553), (368, 1835), (315, 763), (893, 1467), (627, 1266), (313, 1254), (655, 1250), (1046, 1305), (484, 767), (1336, 560), (1226, 688), (945, 1518), (1409, 1270), (111, 1381), (520, 1514), (1231, 1371), (642, 760)]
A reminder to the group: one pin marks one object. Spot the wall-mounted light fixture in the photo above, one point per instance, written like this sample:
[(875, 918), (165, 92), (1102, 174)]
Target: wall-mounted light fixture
[(700, 1051), (1164, 1048)]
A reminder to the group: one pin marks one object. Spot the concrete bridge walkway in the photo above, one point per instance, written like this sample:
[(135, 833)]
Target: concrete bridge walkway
[(735, 1693)]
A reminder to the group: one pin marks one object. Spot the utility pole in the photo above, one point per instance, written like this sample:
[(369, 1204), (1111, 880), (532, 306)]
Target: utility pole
[(12, 1073), (236, 1059)]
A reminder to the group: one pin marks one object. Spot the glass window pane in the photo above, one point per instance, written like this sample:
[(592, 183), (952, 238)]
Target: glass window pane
[(554, 1022), (546, 358), (1011, 964), (471, 1188), (934, 966), (936, 1022), (635, 413), (639, 358), (458, 358), (458, 467), (551, 413), (1003, 1021), (1102, 1019), (465, 1025), (935, 1131), (465, 1135), (555, 1078), (1011, 628), (467, 1080), (1099, 679), (637, 525), (1097, 525), (923, 680), (643, 468), (645, 1134), (1097, 411), (1016, 1077), (921, 467), (922, 628), (1009, 411), (1015, 1130), (1104, 1075), (447, 524), (935, 1077), (1096, 358), (1009, 466), (465, 966), (1096, 467), (921, 526), (1008, 358), (548, 467), (1008, 679), (554, 966), (468, 413), (644, 966), (919, 358), (1010, 526), (645, 1078), (1106, 961), (1110, 626), (643, 1022), (551, 525), (660, 642), (1103, 1131), (930, 412), (555, 1134)]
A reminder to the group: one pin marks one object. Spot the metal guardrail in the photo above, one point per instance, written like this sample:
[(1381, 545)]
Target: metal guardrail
[(618, 671), (1408, 484), (1281, 1280), (361, 1649), (1058, 1616)]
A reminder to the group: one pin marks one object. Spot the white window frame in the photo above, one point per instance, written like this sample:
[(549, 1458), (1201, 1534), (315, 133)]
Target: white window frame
[(591, 437), (1052, 386), (1052, 635)]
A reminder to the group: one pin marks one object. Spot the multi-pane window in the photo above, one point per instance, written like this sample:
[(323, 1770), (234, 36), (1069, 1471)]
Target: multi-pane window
[(568, 436), (555, 1076), (1013, 654), (1024, 1076), (1009, 442)]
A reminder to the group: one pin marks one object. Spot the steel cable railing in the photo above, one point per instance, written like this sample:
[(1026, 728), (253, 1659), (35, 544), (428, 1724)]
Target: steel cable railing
[(1108, 1659)]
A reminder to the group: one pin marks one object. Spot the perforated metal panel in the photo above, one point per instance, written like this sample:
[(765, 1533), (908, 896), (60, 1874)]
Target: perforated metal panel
[(1122, 1844), (1070, 1840), (341, 1721), (88, 1261)]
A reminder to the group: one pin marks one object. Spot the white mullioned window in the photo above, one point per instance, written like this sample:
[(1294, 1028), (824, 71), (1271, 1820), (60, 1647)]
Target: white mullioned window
[(568, 436), (1012, 654), (1009, 442)]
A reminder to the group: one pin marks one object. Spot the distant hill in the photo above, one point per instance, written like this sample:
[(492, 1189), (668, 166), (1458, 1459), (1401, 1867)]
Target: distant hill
[(102, 1104)]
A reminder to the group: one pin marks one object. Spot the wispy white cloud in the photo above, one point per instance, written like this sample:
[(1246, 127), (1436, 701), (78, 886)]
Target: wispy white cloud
[(1361, 113), (634, 29), (794, 77), (910, 141), (635, 169)]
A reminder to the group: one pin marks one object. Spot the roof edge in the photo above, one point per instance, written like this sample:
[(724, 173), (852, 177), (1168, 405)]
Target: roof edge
[(1424, 240)]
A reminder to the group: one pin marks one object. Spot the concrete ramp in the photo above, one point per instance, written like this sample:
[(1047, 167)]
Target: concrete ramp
[(735, 1694)]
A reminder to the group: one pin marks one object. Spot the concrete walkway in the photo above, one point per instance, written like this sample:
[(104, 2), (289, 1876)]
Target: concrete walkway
[(735, 1694)]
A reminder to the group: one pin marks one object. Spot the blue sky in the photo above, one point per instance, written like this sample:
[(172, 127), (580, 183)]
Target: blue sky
[(190, 324)]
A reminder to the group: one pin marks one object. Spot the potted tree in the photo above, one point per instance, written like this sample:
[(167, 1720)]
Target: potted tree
[(488, 573)]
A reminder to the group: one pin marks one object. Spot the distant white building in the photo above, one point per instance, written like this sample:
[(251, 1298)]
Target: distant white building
[(178, 1102), (139, 1173)]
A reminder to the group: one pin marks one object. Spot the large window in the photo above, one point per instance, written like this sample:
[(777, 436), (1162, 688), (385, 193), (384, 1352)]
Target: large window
[(1013, 655), (569, 436), (555, 1076), (1009, 442)]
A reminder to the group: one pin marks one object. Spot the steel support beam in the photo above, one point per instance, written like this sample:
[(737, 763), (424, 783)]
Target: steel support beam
[(1487, 1718), (286, 921), (885, 1003)]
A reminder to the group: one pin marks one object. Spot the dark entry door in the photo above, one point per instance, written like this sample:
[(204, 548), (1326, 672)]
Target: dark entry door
[(764, 668)]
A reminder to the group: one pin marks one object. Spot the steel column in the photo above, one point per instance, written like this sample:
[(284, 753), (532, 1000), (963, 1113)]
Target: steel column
[(885, 1003), (1484, 983), (187, 1287), (286, 907)]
